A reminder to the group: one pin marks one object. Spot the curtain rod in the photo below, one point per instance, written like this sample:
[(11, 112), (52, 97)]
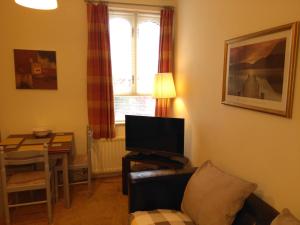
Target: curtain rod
[(131, 4)]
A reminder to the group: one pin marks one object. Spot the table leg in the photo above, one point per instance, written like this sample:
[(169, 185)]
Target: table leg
[(66, 181)]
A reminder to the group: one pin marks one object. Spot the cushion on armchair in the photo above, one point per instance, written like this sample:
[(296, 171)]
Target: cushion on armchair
[(160, 217), (213, 197)]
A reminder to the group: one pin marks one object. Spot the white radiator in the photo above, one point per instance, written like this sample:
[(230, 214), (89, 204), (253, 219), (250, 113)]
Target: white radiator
[(107, 155)]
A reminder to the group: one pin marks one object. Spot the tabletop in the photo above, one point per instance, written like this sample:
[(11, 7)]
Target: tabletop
[(57, 142)]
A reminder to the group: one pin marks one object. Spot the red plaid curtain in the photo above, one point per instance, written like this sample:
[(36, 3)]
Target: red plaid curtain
[(99, 75), (165, 63)]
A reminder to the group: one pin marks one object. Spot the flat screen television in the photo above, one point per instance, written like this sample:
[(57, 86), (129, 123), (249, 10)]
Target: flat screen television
[(154, 135)]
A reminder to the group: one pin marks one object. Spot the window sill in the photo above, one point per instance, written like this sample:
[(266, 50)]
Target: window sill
[(120, 123)]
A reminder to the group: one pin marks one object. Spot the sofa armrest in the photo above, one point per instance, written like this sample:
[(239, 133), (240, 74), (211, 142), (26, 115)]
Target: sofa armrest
[(255, 211), (157, 189)]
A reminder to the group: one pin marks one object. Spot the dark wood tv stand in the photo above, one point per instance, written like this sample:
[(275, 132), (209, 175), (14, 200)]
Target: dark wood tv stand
[(149, 162)]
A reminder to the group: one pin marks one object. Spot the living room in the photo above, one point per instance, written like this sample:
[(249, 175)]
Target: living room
[(257, 146)]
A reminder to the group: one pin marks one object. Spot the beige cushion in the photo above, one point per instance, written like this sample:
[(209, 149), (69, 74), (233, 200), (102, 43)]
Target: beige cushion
[(213, 197), (285, 218)]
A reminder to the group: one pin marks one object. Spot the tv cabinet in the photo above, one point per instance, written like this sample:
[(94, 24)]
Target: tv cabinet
[(148, 162)]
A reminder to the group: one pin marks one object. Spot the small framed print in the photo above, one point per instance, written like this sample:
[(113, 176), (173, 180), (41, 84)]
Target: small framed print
[(35, 69)]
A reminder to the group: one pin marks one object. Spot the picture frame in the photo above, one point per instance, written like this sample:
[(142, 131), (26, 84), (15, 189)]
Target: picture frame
[(259, 70), (35, 69)]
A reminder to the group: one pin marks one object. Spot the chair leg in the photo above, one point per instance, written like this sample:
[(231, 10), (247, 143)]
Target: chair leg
[(56, 184), (89, 181), (49, 205), (6, 209), (53, 194)]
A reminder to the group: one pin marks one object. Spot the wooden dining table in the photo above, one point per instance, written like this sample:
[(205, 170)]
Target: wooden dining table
[(60, 147)]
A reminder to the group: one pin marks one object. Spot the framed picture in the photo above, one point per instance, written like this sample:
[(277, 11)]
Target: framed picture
[(259, 70), (35, 69)]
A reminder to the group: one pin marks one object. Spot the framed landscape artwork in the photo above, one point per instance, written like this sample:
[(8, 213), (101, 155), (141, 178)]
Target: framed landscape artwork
[(35, 69), (259, 70)]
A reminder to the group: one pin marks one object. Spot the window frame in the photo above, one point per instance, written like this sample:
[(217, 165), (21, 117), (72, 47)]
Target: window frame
[(135, 14), (134, 17)]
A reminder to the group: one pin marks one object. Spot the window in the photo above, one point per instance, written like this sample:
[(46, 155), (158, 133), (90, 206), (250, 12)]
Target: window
[(134, 40)]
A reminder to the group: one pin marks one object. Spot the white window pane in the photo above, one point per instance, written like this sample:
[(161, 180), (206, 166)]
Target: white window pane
[(121, 54), (133, 105), (147, 55)]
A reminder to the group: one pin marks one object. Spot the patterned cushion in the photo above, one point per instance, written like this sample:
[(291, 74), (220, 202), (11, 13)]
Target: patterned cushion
[(160, 217)]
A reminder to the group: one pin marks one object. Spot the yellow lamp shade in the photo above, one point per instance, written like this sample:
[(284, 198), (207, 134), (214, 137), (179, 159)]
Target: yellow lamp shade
[(38, 4), (164, 86)]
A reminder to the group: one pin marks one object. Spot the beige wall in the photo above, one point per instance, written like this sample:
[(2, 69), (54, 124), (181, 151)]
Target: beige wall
[(65, 31), (260, 147)]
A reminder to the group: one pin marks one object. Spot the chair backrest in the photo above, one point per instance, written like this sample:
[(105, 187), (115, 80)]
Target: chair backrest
[(89, 143), (24, 157)]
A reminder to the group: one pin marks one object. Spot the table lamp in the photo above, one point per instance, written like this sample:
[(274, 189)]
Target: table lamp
[(164, 86), (38, 4)]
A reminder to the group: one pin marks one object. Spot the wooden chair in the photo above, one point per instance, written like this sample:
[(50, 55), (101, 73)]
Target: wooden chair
[(25, 180), (79, 162)]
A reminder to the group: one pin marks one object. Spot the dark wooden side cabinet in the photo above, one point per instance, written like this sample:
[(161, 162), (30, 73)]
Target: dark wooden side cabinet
[(148, 162)]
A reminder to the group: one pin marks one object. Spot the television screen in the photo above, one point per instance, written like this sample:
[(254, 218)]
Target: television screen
[(164, 136)]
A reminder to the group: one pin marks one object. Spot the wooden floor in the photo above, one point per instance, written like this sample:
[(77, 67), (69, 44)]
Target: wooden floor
[(107, 206)]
